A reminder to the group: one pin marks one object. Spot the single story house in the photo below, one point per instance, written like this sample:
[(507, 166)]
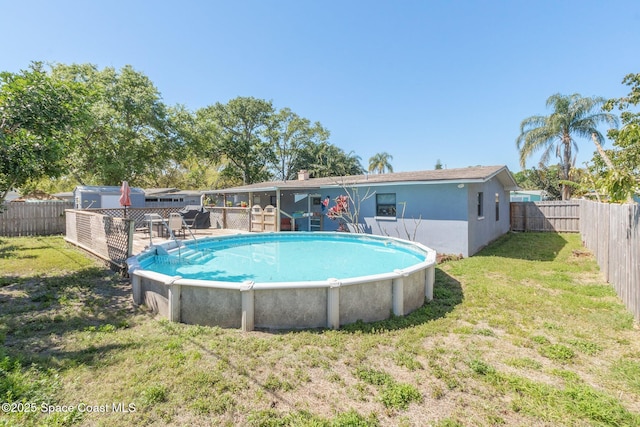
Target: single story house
[(454, 211), (105, 197)]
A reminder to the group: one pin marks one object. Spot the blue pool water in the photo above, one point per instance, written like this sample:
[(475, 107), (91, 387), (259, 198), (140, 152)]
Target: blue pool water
[(286, 257)]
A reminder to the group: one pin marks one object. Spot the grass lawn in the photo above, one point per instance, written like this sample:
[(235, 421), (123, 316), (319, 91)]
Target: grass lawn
[(525, 333)]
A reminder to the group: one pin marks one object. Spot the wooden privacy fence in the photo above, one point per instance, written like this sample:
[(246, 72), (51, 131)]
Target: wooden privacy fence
[(612, 233), (557, 216), (33, 218)]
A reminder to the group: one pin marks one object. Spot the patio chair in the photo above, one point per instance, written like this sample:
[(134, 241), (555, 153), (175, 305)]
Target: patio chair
[(176, 225), (285, 224)]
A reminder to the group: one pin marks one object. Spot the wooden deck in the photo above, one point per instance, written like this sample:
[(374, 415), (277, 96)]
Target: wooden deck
[(141, 239)]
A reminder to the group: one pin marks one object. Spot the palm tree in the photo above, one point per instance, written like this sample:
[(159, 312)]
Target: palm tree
[(380, 162), (572, 115)]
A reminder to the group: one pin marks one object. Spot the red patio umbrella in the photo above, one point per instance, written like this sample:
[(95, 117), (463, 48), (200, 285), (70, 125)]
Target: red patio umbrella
[(125, 196)]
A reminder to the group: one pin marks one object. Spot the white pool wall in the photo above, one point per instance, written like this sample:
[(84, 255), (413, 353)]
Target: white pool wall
[(289, 305)]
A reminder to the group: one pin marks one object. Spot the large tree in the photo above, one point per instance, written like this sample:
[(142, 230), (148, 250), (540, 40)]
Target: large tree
[(37, 113), (573, 116), (380, 163), (239, 132), (289, 135), (127, 134)]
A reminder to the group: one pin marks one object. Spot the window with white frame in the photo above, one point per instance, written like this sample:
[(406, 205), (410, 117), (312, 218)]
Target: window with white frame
[(386, 204), (480, 204)]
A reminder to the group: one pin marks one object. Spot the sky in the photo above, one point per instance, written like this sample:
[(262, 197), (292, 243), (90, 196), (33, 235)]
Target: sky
[(424, 81)]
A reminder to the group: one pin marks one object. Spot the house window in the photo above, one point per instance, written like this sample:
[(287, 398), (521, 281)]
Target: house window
[(386, 204), (480, 204), (497, 207)]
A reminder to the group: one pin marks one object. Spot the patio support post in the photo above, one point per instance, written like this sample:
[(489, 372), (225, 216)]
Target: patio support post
[(248, 312), (132, 229), (278, 209), (333, 304), (224, 214)]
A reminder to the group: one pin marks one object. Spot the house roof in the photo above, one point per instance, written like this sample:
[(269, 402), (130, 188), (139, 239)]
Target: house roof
[(154, 191), (105, 189), (157, 192), (439, 176)]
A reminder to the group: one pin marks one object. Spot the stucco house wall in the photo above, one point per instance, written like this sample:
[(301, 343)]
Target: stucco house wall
[(485, 228), (427, 213), (441, 216)]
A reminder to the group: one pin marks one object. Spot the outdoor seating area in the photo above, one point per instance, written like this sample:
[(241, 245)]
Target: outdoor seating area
[(142, 240)]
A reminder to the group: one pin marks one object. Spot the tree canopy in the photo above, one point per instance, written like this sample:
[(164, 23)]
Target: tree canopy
[(240, 132), (127, 133), (117, 128), (254, 143), (37, 115), (617, 170), (78, 124), (291, 135)]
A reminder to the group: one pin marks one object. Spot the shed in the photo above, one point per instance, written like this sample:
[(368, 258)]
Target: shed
[(454, 211), (93, 197)]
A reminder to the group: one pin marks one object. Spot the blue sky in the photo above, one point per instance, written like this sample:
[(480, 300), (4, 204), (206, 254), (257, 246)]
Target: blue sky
[(421, 80)]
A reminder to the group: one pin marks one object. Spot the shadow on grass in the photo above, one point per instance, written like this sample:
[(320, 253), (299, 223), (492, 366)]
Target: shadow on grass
[(13, 251), (533, 246), (36, 311), (447, 294)]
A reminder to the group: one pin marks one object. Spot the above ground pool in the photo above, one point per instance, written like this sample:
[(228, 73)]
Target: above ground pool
[(283, 280)]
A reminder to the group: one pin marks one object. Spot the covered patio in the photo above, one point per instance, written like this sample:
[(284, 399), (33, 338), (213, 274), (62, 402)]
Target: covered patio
[(295, 205)]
